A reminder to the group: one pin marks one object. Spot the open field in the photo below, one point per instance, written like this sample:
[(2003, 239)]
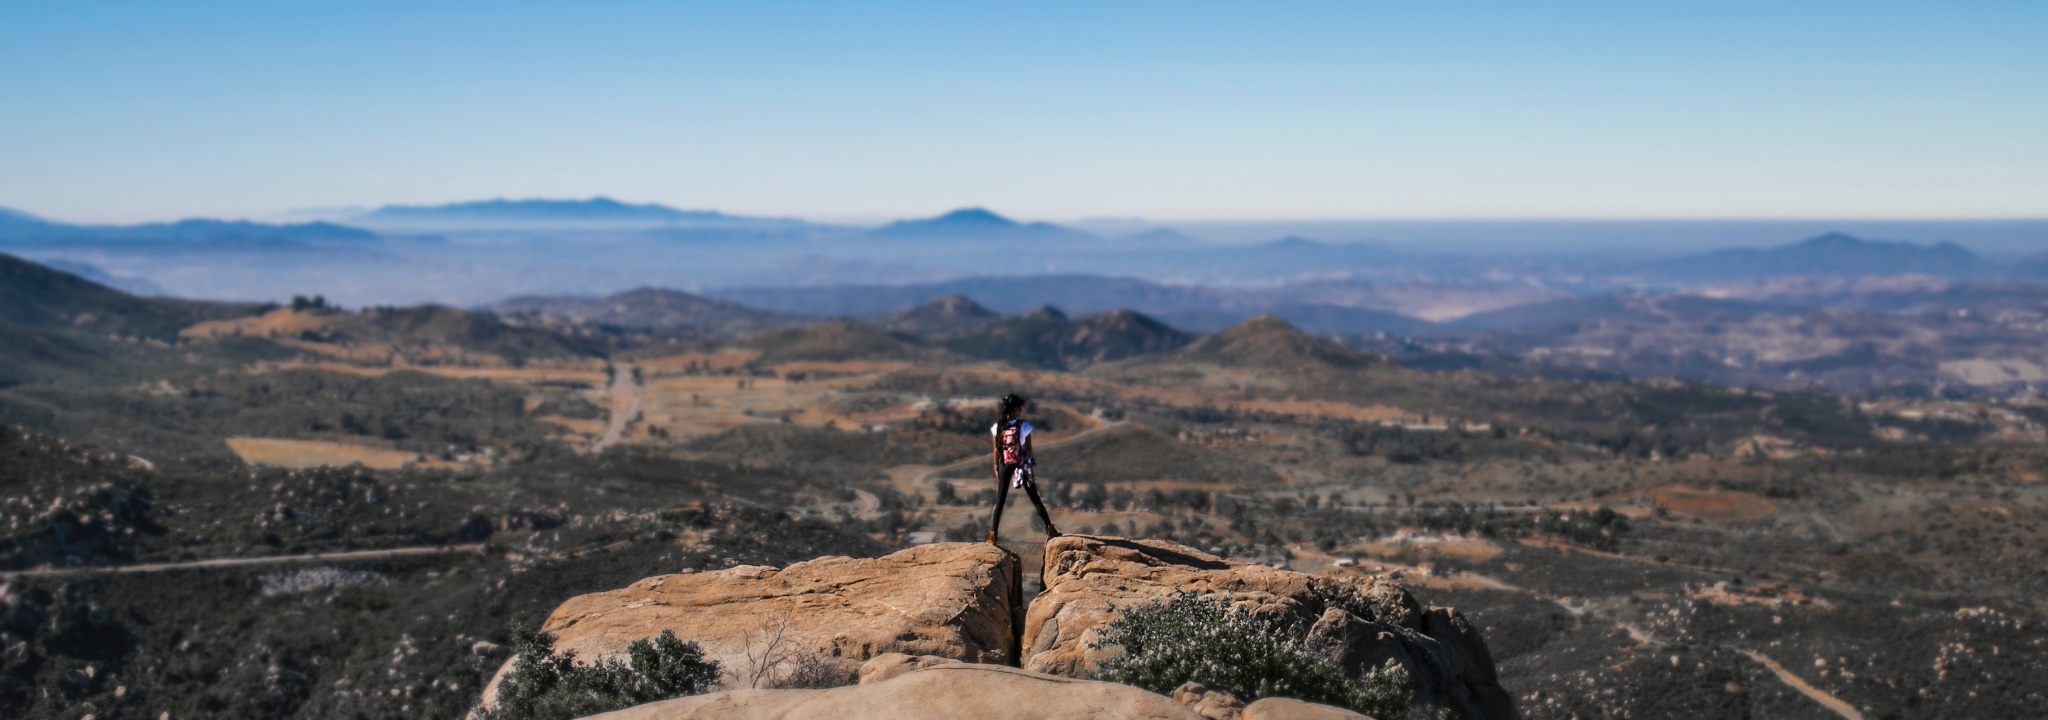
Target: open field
[(315, 453)]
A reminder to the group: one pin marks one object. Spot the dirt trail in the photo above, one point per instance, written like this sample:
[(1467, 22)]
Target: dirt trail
[(1798, 683), (245, 562), (625, 393), (1790, 679), (870, 504)]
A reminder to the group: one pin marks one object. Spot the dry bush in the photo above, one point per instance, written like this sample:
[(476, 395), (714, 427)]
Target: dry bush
[(778, 659)]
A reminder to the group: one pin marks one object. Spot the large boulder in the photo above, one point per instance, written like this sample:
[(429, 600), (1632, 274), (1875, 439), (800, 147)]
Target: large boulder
[(950, 600), (1090, 580), (935, 689)]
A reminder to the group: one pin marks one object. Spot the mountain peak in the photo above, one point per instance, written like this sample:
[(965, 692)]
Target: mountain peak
[(1834, 241), (1271, 343), (975, 216), (976, 222), (11, 216), (948, 314), (1046, 338), (595, 209), (1834, 254), (958, 305), (1043, 312), (1262, 326)]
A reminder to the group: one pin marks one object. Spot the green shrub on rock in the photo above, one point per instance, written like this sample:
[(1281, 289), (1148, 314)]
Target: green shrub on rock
[(1190, 637), (545, 685)]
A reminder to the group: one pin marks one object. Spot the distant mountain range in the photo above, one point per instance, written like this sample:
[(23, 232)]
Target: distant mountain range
[(1012, 294), (22, 230), (1830, 255), (1947, 338), (476, 252), (1193, 308), (672, 223), (1043, 337), (594, 210)]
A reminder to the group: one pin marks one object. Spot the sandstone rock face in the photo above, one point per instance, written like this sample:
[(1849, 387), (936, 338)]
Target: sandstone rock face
[(891, 665), (950, 600), (953, 691), (1207, 702), (1090, 580), (940, 692), (1291, 709), (926, 629)]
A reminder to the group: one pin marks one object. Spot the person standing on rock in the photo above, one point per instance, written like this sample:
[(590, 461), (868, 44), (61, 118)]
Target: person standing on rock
[(1010, 444)]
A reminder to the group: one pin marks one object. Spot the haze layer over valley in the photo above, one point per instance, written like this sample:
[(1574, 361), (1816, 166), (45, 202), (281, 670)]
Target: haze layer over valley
[(1953, 308)]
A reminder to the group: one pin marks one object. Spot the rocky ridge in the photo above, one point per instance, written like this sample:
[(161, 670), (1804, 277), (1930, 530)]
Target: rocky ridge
[(928, 630), (951, 600), (1090, 580)]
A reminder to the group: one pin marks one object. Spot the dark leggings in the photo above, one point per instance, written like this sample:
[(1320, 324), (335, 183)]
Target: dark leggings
[(1003, 493)]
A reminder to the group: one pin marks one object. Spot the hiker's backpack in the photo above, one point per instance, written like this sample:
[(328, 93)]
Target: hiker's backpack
[(1012, 443)]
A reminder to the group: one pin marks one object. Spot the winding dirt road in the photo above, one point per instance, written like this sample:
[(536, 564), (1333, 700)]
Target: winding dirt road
[(870, 504), (625, 393), (247, 562), (1789, 678), (1818, 695)]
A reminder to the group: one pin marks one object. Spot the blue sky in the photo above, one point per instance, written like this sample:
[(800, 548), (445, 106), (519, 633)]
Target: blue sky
[(1180, 110)]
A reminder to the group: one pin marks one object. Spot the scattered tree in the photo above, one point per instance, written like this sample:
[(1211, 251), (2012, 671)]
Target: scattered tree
[(546, 685)]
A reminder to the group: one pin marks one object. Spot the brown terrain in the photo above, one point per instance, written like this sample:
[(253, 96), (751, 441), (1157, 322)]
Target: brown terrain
[(1653, 548)]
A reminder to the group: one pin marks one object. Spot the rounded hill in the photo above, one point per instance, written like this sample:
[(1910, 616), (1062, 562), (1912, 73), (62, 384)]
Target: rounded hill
[(1269, 343), (1047, 338), (831, 342), (945, 315)]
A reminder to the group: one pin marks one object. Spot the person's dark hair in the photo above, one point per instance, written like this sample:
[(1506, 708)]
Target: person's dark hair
[(1012, 405)]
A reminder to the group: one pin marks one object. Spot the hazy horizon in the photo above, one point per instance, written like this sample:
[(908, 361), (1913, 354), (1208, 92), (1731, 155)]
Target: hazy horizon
[(1455, 235)]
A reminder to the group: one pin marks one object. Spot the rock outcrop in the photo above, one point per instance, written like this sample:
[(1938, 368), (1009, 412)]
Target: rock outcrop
[(950, 600), (1091, 580), (927, 630), (936, 689)]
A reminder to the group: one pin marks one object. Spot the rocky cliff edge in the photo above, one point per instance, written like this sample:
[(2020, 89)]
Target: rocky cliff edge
[(935, 623)]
